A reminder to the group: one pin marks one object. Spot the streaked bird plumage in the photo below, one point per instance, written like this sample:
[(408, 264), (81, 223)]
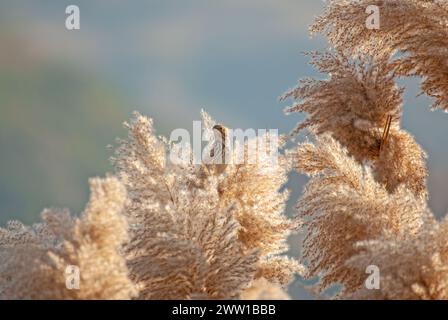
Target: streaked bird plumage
[(215, 160)]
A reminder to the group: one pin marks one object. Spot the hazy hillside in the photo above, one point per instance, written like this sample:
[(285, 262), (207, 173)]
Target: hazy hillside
[(55, 124)]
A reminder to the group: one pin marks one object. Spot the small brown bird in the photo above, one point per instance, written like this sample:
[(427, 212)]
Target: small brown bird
[(216, 160)]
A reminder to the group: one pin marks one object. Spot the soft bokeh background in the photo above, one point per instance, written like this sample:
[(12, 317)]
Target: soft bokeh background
[(64, 94)]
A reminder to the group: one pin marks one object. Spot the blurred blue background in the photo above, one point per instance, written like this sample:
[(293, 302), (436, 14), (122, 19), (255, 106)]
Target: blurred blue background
[(64, 94)]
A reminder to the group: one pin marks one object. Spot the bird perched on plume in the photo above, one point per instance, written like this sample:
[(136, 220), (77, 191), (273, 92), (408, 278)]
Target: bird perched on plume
[(216, 158)]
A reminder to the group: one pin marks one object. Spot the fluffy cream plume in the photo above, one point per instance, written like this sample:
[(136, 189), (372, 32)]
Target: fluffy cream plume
[(416, 268), (416, 28), (255, 190), (262, 289), (353, 105), (196, 233), (34, 259), (343, 205), (366, 202)]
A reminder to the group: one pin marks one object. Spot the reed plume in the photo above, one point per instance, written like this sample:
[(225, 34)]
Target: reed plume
[(417, 29), (342, 205), (34, 259), (197, 232), (366, 201)]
